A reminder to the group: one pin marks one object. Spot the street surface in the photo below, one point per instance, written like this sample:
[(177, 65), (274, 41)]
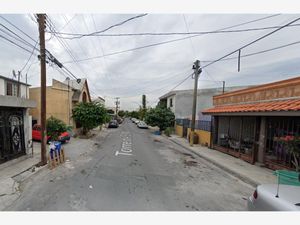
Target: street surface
[(130, 169)]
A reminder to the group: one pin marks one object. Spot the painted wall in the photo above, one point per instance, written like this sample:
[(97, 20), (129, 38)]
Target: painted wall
[(2, 87), (59, 102), (204, 136), (282, 89), (22, 89), (179, 130)]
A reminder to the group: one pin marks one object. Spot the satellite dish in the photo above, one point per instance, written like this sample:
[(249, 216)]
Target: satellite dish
[(78, 81)]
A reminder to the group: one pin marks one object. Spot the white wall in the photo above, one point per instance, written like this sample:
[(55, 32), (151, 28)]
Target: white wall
[(23, 89), (2, 87)]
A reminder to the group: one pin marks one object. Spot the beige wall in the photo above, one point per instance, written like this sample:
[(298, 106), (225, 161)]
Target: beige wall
[(58, 103)]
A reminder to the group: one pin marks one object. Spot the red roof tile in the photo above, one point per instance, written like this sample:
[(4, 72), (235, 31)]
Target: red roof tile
[(281, 105)]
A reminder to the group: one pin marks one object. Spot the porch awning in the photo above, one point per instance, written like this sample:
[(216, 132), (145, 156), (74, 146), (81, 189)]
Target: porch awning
[(270, 106)]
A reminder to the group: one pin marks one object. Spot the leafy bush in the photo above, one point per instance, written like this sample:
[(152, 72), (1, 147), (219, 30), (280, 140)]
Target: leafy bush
[(168, 131), (89, 115), (55, 127), (160, 116)]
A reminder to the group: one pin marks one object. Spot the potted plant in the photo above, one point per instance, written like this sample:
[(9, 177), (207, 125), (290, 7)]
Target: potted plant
[(293, 146)]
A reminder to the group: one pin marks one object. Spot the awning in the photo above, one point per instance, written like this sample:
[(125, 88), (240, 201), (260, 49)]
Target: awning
[(270, 106)]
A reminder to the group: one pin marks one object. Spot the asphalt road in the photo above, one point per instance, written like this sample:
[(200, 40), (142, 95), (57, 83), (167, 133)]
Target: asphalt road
[(131, 169)]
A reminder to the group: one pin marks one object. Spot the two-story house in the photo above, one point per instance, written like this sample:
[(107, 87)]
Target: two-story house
[(15, 123)]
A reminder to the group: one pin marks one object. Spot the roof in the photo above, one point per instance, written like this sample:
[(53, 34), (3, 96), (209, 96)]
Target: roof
[(74, 84), (277, 84), (269, 106), (15, 81)]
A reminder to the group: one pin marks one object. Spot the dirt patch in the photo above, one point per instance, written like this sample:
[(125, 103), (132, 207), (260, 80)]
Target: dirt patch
[(156, 140)]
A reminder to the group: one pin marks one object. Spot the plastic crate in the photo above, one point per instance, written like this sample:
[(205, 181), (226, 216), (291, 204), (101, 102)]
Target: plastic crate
[(288, 177)]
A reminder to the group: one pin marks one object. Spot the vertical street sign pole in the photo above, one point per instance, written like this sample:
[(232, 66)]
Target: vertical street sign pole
[(197, 70), (41, 22)]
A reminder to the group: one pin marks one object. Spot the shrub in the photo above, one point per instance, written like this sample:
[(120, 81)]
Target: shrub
[(55, 127)]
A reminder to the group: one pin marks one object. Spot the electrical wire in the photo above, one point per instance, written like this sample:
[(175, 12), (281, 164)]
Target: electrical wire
[(29, 57), (108, 28), (170, 41), (219, 31), (252, 42)]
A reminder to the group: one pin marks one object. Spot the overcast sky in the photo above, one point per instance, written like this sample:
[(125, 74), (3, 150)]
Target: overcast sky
[(155, 70)]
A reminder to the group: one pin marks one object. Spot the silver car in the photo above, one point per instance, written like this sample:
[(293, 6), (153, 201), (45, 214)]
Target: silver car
[(142, 124), (265, 198)]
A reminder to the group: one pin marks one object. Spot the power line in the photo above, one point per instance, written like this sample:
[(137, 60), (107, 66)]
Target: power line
[(17, 28), (170, 41), (257, 53), (110, 27), (219, 31), (252, 42), (15, 44), (177, 33), (29, 57)]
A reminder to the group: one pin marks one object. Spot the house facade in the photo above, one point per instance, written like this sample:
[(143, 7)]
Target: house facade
[(15, 122), (254, 123), (180, 102), (61, 99)]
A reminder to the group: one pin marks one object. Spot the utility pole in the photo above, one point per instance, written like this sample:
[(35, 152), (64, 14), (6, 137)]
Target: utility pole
[(197, 69), (42, 26), (223, 86), (117, 105)]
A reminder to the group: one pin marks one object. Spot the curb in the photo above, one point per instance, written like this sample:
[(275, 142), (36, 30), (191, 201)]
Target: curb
[(232, 172)]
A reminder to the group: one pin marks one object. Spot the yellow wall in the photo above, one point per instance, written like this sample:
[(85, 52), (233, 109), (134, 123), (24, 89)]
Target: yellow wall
[(58, 104), (179, 130), (204, 136)]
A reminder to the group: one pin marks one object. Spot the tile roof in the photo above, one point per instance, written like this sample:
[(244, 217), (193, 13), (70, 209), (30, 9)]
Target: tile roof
[(270, 106)]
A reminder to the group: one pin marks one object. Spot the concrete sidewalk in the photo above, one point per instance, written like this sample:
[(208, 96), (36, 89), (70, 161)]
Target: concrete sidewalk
[(251, 174), (14, 171)]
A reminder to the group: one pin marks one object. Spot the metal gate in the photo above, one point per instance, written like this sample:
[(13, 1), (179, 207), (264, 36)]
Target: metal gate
[(12, 142)]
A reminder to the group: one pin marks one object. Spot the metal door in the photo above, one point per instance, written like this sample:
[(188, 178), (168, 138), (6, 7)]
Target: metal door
[(12, 142)]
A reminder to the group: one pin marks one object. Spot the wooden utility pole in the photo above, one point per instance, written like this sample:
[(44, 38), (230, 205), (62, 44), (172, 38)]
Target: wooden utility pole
[(42, 25), (223, 86), (197, 72)]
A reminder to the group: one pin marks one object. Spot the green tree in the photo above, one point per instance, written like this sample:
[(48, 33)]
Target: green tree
[(55, 127), (161, 117), (121, 113), (89, 115)]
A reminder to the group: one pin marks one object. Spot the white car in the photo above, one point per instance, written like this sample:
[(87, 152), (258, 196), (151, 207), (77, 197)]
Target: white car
[(265, 198), (142, 125)]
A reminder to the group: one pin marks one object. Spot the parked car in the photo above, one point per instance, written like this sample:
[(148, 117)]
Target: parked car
[(113, 124), (142, 125), (133, 120), (37, 136), (265, 198)]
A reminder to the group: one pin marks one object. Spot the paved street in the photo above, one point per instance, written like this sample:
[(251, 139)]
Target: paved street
[(132, 169)]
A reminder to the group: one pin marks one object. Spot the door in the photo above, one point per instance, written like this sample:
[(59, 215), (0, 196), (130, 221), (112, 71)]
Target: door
[(12, 142), (186, 123)]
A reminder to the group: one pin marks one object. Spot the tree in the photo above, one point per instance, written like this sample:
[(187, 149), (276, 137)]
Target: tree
[(121, 113), (55, 127), (110, 111), (89, 115), (143, 109), (161, 117)]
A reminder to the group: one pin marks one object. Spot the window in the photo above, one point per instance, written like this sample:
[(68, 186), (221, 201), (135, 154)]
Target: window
[(11, 89), (171, 102)]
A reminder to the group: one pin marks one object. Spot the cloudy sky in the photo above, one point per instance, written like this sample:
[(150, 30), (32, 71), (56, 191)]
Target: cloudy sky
[(157, 69)]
